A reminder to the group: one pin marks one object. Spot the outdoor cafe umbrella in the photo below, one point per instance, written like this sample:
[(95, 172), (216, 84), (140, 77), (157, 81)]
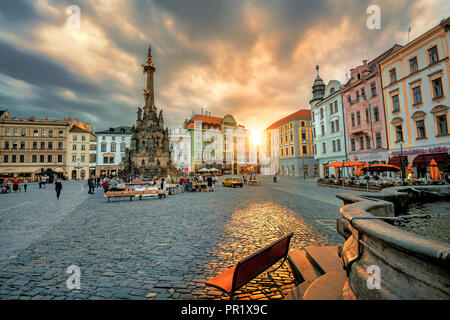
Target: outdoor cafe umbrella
[(203, 170), (338, 164), (358, 171), (434, 170), (409, 171)]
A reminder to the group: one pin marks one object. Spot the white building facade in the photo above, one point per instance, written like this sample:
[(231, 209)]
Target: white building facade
[(180, 144), (111, 148), (327, 126)]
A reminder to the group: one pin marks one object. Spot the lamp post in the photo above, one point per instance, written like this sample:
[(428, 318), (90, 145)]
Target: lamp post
[(401, 161)]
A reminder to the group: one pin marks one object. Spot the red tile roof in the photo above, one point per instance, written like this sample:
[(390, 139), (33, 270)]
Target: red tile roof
[(300, 114)]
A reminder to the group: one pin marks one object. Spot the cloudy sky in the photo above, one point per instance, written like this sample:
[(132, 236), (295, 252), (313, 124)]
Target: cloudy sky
[(254, 59)]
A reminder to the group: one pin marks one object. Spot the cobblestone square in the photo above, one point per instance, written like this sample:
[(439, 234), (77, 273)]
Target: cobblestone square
[(155, 249)]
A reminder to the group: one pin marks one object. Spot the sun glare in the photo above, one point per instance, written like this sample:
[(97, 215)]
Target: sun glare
[(256, 137)]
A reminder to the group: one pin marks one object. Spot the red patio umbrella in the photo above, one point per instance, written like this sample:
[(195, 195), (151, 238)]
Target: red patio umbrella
[(434, 170)]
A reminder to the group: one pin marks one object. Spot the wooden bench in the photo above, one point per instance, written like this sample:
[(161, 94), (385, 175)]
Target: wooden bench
[(250, 267), (132, 194)]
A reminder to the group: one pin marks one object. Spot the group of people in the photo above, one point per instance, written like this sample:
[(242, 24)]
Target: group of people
[(186, 182), (14, 185)]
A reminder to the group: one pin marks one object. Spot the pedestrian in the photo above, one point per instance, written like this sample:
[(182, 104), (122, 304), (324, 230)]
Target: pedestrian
[(40, 182), (25, 185), (105, 185), (162, 187), (44, 181), (91, 185), (209, 180), (15, 184), (275, 179), (58, 188)]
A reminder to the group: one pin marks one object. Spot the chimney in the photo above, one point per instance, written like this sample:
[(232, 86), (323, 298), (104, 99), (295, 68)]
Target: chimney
[(32, 118)]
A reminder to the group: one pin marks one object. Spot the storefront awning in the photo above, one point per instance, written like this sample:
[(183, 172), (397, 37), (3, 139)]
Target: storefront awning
[(397, 161), (423, 160)]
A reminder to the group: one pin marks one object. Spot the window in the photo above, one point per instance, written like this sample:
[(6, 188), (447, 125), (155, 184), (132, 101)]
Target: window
[(7, 132), (332, 127), (414, 67), (338, 145), (337, 125), (353, 144), (315, 149), (292, 151), (361, 143), (22, 158), (399, 132), (41, 158), (378, 140), (314, 133), (103, 147), (442, 124), (16, 133), (74, 158), (83, 138), (49, 158), (303, 136), (331, 108), (60, 145), (35, 133), (113, 138), (313, 117), (353, 119), (357, 95), (34, 158), (367, 115), (368, 142), (43, 133), (60, 158), (74, 138), (83, 147), (6, 145), (14, 158), (434, 56), (373, 89), (334, 145), (42, 145), (324, 147), (349, 99), (437, 88), (335, 107), (363, 93), (83, 158), (393, 75), (376, 114), (35, 145), (322, 127), (321, 113), (50, 145), (23, 133), (395, 103), (103, 138), (50, 133), (5, 158), (417, 95), (61, 133), (22, 145), (358, 118), (14, 146), (105, 160), (305, 151), (74, 147), (123, 137), (122, 147), (420, 126)]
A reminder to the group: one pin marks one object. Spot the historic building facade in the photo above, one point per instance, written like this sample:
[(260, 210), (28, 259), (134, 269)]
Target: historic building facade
[(149, 154), (79, 150), (416, 89), (180, 144), (364, 113), (295, 151), (220, 143), (111, 147), (327, 125), (31, 146)]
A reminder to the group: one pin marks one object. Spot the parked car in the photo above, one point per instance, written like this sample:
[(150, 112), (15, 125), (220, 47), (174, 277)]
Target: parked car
[(233, 182)]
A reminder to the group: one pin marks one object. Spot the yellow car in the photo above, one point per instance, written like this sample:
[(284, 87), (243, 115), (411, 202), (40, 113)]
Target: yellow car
[(233, 182)]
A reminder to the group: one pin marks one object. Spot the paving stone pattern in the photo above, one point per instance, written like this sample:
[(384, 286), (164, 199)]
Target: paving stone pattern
[(155, 249)]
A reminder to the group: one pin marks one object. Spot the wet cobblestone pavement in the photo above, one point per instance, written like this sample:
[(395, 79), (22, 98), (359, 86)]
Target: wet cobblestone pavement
[(155, 249)]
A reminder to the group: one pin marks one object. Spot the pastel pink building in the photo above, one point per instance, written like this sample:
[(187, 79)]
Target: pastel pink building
[(365, 125)]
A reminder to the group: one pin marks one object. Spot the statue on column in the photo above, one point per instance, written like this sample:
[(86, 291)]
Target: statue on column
[(139, 112)]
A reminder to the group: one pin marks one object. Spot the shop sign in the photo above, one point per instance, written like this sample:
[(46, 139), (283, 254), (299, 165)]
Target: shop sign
[(421, 151)]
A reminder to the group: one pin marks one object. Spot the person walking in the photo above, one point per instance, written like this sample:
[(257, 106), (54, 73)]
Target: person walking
[(163, 187), (91, 184), (15, 184), (105, 185), (44, 181), (25, 185), (58, 188), (209, 180)]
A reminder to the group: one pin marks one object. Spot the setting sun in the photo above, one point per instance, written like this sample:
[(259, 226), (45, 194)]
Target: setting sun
[(256, 138)]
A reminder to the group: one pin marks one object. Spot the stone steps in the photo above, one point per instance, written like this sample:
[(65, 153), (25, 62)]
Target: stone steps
[(320, 273)]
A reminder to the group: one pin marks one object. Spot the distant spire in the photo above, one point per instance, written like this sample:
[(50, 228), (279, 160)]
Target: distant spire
[(317, 69), (149, 50)]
